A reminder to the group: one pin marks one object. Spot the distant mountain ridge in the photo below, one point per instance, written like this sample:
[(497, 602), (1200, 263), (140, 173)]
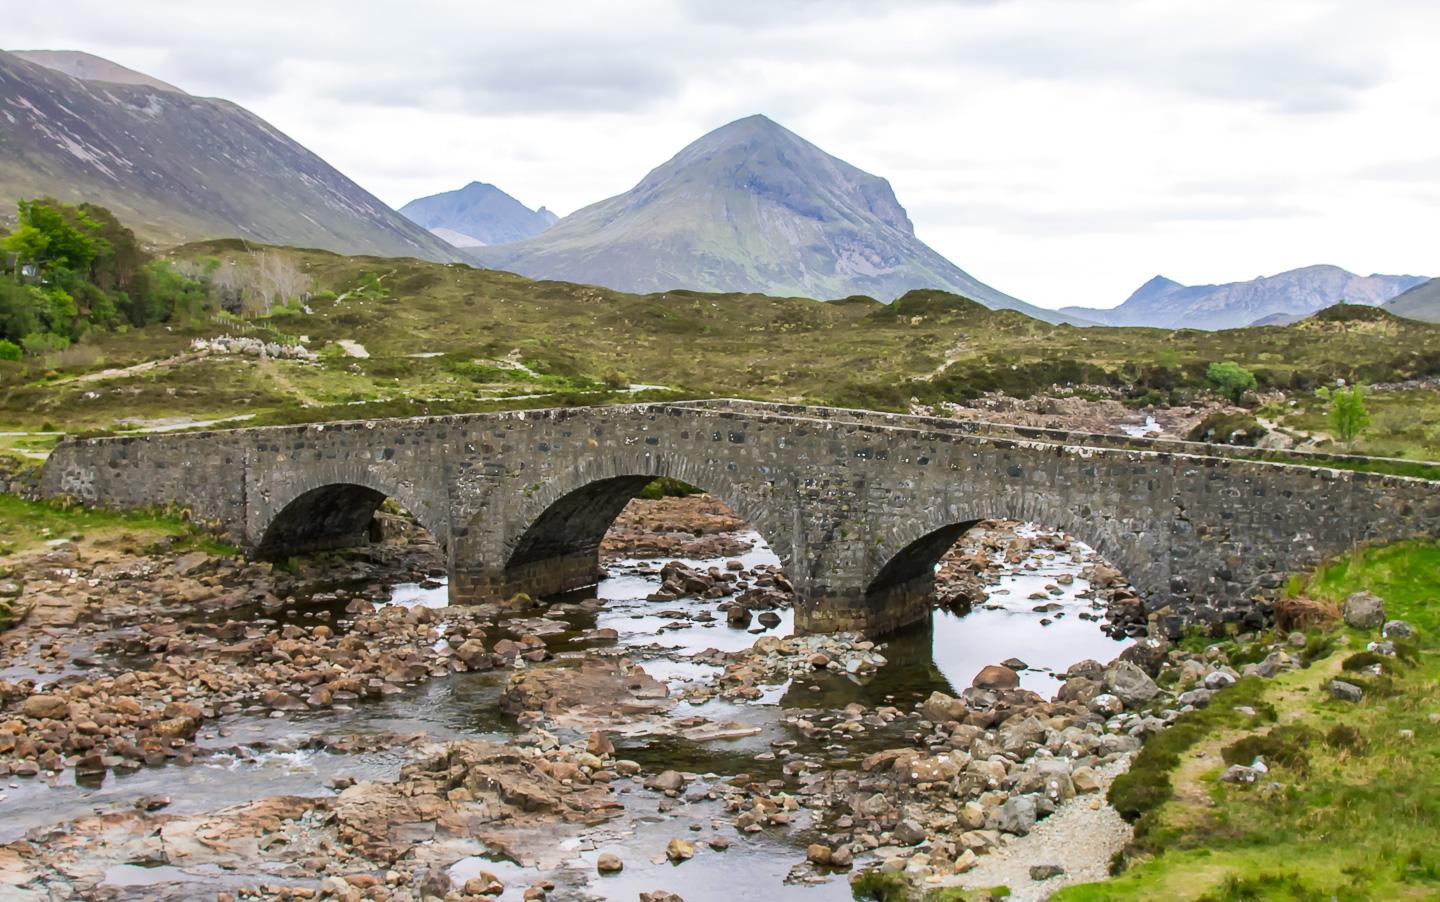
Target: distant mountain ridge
[(749, 207), (480, 212), (1167, 304), (180, 168), (1421, 302)]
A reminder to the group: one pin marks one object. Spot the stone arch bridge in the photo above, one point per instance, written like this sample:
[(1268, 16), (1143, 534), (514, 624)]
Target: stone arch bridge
[(859, 506)]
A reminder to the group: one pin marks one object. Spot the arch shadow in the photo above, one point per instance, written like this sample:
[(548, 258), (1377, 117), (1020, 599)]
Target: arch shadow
[(332, 515), (552, 543)]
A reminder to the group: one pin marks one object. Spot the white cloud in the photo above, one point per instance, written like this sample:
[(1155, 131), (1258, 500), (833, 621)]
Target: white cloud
[(1062, 150)]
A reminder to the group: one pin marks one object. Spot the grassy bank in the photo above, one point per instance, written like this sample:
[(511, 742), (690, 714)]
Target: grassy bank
[(1350, 808), (27, 525)]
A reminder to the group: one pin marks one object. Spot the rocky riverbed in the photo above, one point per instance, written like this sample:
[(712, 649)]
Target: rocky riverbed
[(181, 725)]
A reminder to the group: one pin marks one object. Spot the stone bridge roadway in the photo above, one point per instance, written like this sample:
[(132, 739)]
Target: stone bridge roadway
[(859, 506)]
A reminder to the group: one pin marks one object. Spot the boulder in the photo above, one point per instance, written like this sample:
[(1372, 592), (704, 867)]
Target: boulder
[(1364, 611), (996, 676), (1130, 684), (608, 863), (1345, 692), (666, 781), (45, 707), (1217, 679), (941, 708), (680, 850), (908, 832), (1086, 779), (1397, 629), (1148, 654), (1017, 815)]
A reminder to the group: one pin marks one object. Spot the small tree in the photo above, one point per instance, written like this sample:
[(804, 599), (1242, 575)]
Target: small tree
[(1348, 415), (1231, 379)]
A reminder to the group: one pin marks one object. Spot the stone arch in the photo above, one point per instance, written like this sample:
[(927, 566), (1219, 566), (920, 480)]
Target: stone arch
[(332, 508), (900, 578), (550, 541)]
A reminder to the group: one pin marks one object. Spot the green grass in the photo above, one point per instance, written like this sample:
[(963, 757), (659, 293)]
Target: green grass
[(929, 346), (1357, 806), (28, 524), (1405, 424)]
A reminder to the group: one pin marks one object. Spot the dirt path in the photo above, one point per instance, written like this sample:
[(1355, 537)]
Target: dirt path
[(137, 369), (276, 373)]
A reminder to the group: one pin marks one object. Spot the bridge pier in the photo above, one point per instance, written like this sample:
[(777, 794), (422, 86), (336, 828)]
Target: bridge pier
[(538, 579), (875, 613)]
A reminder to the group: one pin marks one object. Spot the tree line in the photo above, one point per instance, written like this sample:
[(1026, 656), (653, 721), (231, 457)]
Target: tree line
[(70, 269)]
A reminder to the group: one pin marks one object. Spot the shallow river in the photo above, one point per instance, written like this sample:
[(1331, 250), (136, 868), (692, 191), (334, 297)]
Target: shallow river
[(257, 756)]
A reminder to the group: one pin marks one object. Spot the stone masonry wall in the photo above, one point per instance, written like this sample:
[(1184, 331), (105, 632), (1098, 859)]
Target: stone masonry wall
[(837, 494)]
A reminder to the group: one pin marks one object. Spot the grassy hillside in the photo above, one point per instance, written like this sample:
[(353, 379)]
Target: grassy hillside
[(1350, 807), (444, 338)]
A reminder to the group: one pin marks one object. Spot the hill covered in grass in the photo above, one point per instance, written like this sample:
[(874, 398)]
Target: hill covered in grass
[(387, 336)]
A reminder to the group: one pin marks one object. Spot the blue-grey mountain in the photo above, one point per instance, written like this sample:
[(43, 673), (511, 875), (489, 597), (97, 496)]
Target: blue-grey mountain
[(749, 207), (477, 215), (1281, 298), (1421, 302)]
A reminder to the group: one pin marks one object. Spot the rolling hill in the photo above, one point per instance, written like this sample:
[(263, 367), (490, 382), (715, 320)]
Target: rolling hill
[(176, 167)]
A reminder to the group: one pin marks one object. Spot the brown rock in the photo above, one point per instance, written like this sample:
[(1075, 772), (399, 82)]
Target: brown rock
[(46, 707), (609, 864), (996, 676), (680, 850)]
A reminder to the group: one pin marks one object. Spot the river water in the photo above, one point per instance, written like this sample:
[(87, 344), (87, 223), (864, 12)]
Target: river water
[(1033, 613)]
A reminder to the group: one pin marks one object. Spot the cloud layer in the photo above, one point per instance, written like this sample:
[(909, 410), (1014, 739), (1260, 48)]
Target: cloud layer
[(1062, 150)]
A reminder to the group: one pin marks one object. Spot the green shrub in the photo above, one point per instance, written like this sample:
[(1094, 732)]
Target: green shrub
[(9, 350), (665, 487), (1230, 379), (1284, 745), (874, 886), (1226, 428), (44, 343)]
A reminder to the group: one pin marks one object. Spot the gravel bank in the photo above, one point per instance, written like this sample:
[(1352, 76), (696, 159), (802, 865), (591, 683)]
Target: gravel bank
[(1081, 837)]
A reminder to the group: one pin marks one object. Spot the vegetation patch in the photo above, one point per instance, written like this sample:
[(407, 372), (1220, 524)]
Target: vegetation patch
[(1351, 804), (29, 524)]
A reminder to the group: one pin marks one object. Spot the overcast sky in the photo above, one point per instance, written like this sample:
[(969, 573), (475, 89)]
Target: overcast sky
[(1063, 151)]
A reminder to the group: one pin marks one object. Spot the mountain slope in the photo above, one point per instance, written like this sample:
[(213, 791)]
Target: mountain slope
[(749, 207), (479, 211), (1421, 302), (88, 66), (1297, 293), (177, 167)]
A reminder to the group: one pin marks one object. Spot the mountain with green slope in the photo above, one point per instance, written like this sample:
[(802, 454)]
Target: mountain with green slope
[(176, 167), (749, 207)]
